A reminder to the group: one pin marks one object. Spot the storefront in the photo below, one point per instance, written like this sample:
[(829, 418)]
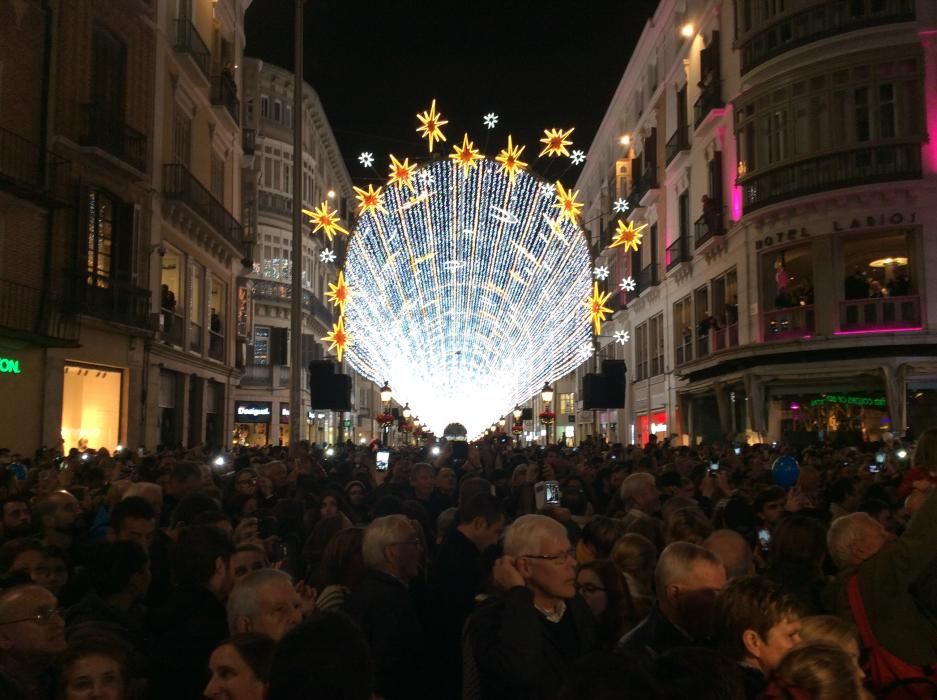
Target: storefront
[(833, 418), (252, 421), (645, 426), (91, 406)]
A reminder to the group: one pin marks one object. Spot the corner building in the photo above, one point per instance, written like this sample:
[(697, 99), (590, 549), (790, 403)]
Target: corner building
[(780, 155)]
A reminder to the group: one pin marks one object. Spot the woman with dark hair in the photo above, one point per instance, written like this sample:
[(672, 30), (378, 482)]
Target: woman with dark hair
[(240, 667), (93, 665), (342, 567), (795, 559), (355, 494), (598, 537), (313, 550), (602, 586)]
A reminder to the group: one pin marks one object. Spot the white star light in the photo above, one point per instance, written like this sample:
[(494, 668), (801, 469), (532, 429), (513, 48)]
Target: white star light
[(621, 205), (600, 272), (547, 190), (366, 159), (425, 178), (627, 284), (585, 350), (327, 256), (578, 157), (622, 337), (491, 120)]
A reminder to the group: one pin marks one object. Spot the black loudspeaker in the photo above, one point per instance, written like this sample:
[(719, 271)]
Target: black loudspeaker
[(527, 413), (593, 392), (614, 373), (328, 390)]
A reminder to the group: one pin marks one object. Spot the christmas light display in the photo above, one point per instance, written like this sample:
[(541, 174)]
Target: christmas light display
[(510, 159), (628, 284), (556, 141), (338, 338), (597, 308), (627, 235), (566, 203), (325, 220), (401, 173), (366, 159), (327, 256), (621, 205), (622, 337), (578, 157), (469, 298), (466, 155), (431, 125), (369, 200), (491, 120), (600, 273), (338, 293)]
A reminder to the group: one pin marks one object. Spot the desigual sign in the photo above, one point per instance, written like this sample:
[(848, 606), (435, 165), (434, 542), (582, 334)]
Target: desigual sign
[(252, 411)]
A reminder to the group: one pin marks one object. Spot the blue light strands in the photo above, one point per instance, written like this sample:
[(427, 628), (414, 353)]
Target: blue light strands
[(468, 293)]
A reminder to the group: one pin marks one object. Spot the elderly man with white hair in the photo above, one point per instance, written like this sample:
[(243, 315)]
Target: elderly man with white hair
[(639, 492), (381, 604), (266, 602), (520, 643)]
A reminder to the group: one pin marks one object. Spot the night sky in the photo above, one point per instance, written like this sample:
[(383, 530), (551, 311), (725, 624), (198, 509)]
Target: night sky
[(376, 63)]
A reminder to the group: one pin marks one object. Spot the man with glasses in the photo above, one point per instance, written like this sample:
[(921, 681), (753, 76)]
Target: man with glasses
[(32, 633), (520, 644), (381, 604)]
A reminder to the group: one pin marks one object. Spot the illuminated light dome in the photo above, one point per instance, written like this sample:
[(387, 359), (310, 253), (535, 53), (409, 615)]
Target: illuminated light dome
[(468, 293)]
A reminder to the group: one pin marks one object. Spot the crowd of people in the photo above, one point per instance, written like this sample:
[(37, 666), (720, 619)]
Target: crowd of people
[(485, 572)]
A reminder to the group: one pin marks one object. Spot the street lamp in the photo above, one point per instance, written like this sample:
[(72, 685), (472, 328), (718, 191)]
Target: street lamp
[(546, 393), (501, 422), (547, 416), (406, 412), (518, 412), (386, 395)]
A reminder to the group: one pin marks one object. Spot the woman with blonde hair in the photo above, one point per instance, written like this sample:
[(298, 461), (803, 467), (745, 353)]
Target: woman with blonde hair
[(817, 671), (834, 630)]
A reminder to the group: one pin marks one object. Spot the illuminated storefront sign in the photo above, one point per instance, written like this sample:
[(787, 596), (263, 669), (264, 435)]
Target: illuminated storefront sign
[(252, 411), (9, 366), (875, 402)]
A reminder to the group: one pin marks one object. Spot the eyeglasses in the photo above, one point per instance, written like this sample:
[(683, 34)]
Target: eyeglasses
[(43, 617), (589, 588), (415, 541), (569, 554)]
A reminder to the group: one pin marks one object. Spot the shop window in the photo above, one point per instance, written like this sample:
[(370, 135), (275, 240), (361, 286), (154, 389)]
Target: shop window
[(91, 406)]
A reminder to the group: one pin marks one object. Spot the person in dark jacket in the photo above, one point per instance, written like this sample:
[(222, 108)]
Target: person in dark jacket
[(520, 645), (32, 633), (382, 606)]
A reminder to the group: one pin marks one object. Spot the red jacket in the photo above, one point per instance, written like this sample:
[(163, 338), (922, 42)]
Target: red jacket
[(915, 474)]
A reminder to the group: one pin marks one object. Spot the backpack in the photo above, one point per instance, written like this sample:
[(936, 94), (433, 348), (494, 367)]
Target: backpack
[(889, 676)]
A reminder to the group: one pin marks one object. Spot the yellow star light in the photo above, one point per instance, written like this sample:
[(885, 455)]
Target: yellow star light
[(466, 155), (597, 308), (370, 200), (338, 293), (627, 235), (324, 219), (431, 125), (338, 338), (556, 141), (401, 172), (567, 204), (510, 159)]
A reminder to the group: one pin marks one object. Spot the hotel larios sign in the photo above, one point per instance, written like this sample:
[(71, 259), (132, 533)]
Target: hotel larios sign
[(796, 234)]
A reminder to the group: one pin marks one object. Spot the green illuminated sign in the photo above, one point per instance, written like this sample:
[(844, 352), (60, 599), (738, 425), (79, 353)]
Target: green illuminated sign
[(850, 400), (9, 366)]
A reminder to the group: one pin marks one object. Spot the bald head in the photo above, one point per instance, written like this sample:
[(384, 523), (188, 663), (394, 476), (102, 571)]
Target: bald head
[(733, 551), (913, 503)]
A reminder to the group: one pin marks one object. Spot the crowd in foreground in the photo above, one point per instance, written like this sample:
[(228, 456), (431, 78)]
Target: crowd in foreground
[(655, 572)]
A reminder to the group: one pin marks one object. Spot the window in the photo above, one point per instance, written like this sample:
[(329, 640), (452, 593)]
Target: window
[(277, 111), (100, 238), (289, 115), (567, 404), (196, 313), (683, 331), (264, 106), (655, 345), (109, 78), (181, 137), (217, 177), (640, 352), (262, 345)]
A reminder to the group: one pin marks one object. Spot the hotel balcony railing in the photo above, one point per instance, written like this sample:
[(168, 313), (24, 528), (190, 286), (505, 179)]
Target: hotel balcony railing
[(880, 314), (677, 252), (21, 311), (107, 298), (224, 92), (710, 98), (679, 141), (861, 166), (110, 133), (180, 184), (648, 277), (648, 181), (707, 226), (793, 323), (248, 141), (173, 327), (275, 203), (725, 337), (216, 346), (282, 291), (21, 169), (189, 41), (819, 21)]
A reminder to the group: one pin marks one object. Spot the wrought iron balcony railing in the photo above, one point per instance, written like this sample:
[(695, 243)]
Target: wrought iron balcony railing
[(21, 311), (189, 41), (110, 133), (224, 92), (179, 184), (710, 98), (678, 141)]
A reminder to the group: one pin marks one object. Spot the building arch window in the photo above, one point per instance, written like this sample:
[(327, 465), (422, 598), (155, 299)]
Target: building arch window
[(264, 106)]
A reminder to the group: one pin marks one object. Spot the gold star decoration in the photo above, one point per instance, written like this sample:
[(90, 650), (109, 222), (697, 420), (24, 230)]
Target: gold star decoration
[(627, 235), (567, 204), (370, 199), (510, 159), (338, 338), (466, 155), (597, 308), (401, 172), (324, 219), (556, 141), (431, 125), (338, 293)]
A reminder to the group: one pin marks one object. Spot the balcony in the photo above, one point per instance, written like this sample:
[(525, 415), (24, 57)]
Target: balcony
[(190, 42), (282, 292), (22, 314), (266, 376), (173, 327), (647, 278), (107, 131), (216, 346), (862, 166), (224, 93), (677, 143), (179, 184), (106, 298), (794, 323), (648, 186), (710, 98), (708, 225), (880, 315), (820, 21), (21, 171), (677, 252), (274, 203), (725, 337), (248, 141)]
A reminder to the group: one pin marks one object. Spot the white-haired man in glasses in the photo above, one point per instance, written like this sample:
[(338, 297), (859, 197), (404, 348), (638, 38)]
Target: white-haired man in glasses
[(32, 633)]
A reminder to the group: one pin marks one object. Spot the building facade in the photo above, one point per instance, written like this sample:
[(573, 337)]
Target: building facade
[(779, 156)]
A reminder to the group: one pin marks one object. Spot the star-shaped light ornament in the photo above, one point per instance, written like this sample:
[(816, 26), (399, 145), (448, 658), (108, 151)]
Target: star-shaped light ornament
[(627, 235), (326, 220), (556, 141), (338, 293), (491, 120), (620, 206), (366, 159), (578, 157), (567, 204), (327, 256), (622, 337), (628, 284), (547, 189), (597, 308), (510, 159), (586, 350), (401, 173), (466, 155), (370, 200), (600, 273), (432, 124), (338, 338)]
